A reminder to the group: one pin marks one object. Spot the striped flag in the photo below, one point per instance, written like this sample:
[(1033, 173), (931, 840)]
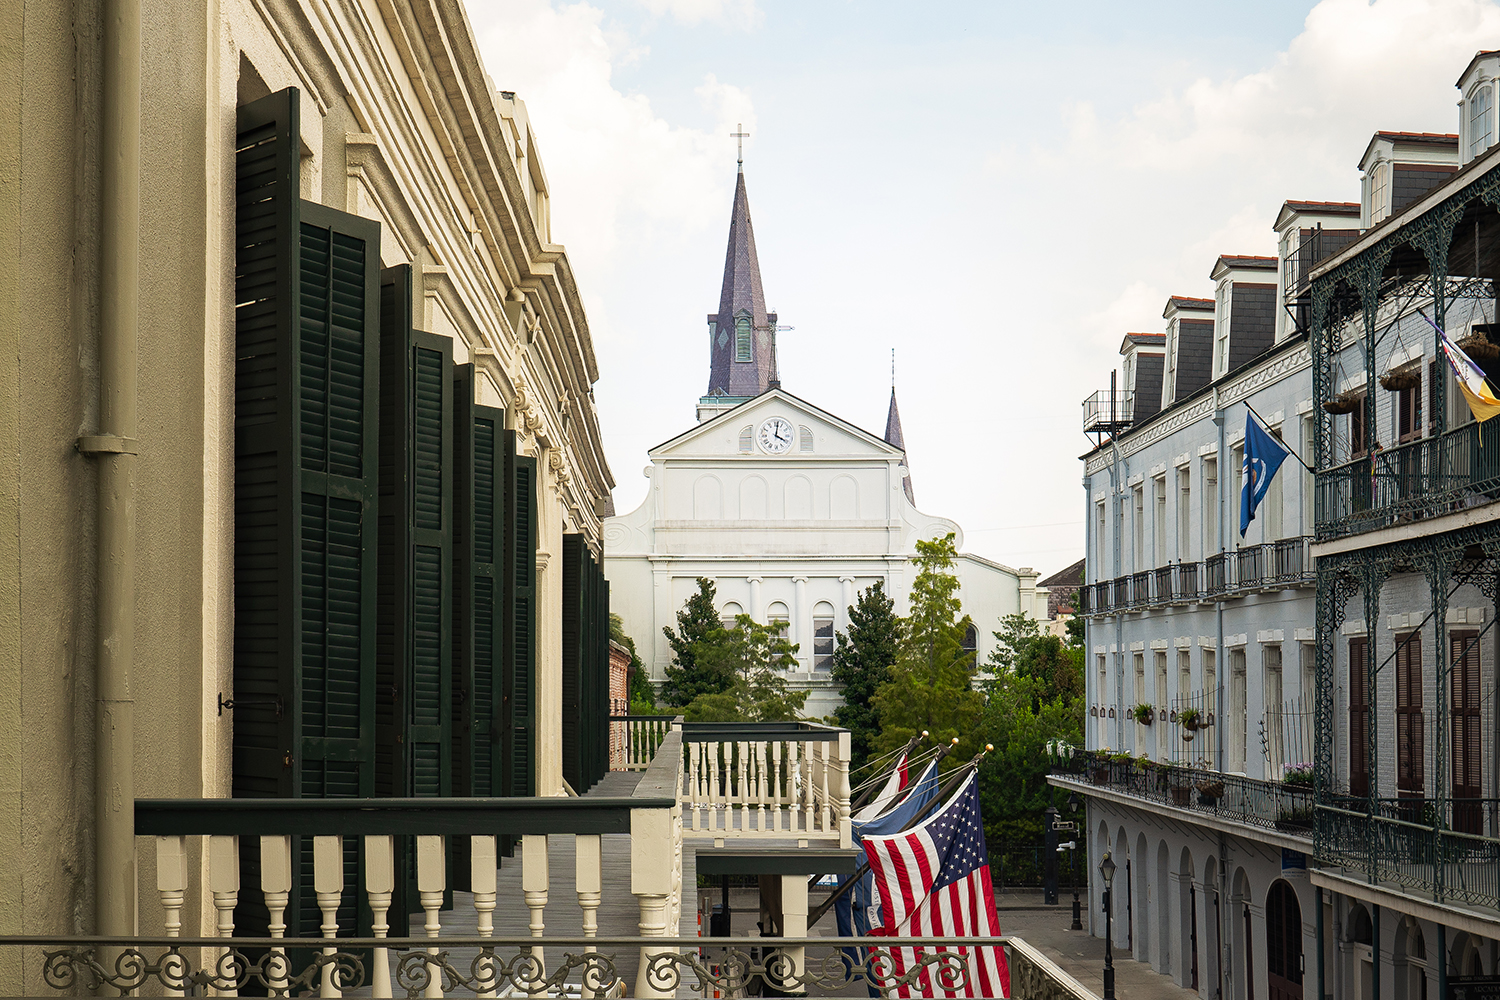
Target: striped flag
[(893, 785), (934, 881)]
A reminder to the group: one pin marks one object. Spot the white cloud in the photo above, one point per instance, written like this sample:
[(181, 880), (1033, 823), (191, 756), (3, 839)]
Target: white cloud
[(743, 14)]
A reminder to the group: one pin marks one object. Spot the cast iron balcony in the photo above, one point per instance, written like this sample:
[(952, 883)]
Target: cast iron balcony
[(1108, 412)]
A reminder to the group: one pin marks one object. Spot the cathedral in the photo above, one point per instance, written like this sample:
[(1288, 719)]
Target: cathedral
[(789, 509)]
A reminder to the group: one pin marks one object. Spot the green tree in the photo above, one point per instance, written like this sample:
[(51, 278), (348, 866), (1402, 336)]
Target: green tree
[(931, 684), (862, 662), (1035, 695), (756, 659), (698, 629), (641, 696)]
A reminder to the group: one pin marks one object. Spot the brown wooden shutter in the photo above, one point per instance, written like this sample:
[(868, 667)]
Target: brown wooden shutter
[(1359, 717), (1468, 817), (1410, 724)]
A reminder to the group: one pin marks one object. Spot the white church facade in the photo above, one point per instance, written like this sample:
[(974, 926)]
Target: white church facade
[(790, 510)]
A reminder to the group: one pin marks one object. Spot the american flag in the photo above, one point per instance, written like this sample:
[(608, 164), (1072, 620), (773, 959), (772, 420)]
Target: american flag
[(934, 881)]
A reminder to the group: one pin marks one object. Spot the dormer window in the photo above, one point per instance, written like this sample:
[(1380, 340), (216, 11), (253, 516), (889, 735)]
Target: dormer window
[(1380, 192), (1221, 327), (1169, 382), (742, 339), (1481, 131)]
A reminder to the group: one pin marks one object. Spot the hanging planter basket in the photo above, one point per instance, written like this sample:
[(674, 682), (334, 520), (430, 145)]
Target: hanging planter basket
[(1344, 402), (1476, 343), (1408, 376)]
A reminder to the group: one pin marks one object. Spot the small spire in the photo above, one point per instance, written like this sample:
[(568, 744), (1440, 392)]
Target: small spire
[(740, 135), (895, 438)]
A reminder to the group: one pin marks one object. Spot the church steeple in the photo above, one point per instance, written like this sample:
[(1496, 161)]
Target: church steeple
[(895, 440), (742, 352)]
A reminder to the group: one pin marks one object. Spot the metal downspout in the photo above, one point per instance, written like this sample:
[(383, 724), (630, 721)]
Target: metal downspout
[(120, 186), (1221, 670), (1117, 501)]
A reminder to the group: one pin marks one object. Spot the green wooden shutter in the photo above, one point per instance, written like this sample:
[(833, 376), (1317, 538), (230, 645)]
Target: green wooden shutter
[(574, 639), (518, 740), (415, 661), (306, 382), (479, 522)]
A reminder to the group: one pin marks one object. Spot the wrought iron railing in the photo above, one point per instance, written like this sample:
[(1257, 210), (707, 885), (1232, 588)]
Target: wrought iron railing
[(1165, 584), (538, 967), (1216, 575), (1269, 804), (1417, 480), (1140, 589), (1107, 411), (1188, 586), (1444, 850), (1268, 566), (1250, 567)]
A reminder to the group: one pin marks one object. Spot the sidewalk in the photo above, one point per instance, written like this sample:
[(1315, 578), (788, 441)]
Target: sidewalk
[(1080, 956)]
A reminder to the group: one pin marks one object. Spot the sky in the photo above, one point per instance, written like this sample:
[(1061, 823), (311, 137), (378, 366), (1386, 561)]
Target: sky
[(997, 191)]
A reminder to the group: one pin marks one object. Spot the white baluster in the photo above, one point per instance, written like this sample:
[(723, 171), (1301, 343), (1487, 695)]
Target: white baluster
[(276, 885), (534, 880), (432, 879), (224, 883), (695, 776), (793, 784), (482, 863), (776, 774), (380, 882), (841, 790), (328, 884), (171, 882), (809, 750), (744, 787), (762, 791), (589, 879), (827, 802)]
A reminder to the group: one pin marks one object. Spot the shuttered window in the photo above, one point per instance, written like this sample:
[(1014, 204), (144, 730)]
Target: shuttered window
[(306, 377), (518, 739), (415, 666), (1359, 717), (479, 530), (585, 688), (1410, 725), (1468, 816)]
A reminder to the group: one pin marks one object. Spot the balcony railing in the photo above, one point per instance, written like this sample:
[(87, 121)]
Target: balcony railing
[(1270, 566), (1269, 804), (633, 739), (767, 780), (507, 933), (1448, 851), (1417, 480), (1108, 411)]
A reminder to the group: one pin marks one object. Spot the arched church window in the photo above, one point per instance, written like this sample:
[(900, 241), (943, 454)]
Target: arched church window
[(742, 339), (779, 619), (729, 614), (805, 438), (747, 439), (823, 636), (971, 640)]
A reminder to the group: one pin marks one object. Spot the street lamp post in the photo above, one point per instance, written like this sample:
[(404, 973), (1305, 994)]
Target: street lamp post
[(1107, 869), (1073, 866)]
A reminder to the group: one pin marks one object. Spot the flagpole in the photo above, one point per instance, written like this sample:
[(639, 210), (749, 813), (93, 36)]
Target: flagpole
[(1267, 425), (953, 782)]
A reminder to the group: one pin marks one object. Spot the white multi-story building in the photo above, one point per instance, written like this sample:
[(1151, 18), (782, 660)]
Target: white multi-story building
[(1377, 669), (788, 508)]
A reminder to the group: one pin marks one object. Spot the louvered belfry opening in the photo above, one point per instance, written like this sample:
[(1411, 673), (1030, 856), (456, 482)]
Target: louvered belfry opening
[(385, 540), (585, 663)]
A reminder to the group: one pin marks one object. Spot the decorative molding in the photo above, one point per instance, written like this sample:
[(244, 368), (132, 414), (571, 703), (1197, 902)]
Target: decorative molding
[(1184, 642), (1137, 647), (1354, 627), (1158, 644), (1466, 616), (1236, 641), (1206, 450), (1208, 642), (1185, 458), (1305, 635), (1271, 635)]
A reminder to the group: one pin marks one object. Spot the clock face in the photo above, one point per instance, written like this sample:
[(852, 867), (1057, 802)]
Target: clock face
[(775, 435)]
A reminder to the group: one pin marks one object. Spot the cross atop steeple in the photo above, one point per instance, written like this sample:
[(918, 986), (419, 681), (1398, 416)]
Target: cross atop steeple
[(739, 135)]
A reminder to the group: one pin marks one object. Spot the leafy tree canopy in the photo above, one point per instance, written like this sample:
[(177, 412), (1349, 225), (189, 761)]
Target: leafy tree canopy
[(698, 629), (862, 661), (931, 684), (641, 695), (755, 658)]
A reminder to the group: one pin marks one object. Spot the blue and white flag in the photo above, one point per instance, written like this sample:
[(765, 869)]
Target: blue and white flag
[(1263, 456)]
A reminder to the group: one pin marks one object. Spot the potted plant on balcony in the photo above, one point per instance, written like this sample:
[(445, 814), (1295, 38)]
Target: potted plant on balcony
[(1298, 775), (1344, 402), (1402, 377), (1476, 343), (1210, 787), (1099, 772), (1144, 714), (1182, 795), (1190, 719), (1294, 817)]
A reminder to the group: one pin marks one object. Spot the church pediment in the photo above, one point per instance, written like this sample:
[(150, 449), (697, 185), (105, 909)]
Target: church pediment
[(779, 425)]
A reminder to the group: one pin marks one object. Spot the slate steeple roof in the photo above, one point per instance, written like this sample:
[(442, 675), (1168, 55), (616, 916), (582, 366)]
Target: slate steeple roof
[(742, 298), (895, 440)]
